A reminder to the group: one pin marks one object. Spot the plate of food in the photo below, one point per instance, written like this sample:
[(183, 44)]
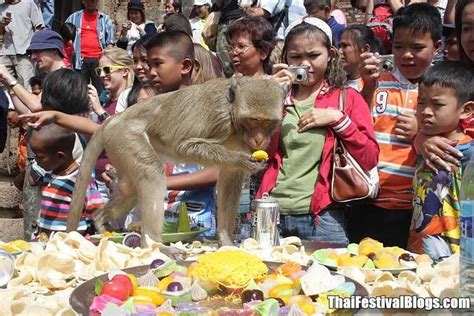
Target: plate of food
[(370, 254), (229, 280), (121, 238), (15, 247)]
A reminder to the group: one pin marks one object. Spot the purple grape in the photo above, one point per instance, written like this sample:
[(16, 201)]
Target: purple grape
[(252, 295), (132, 240), (156, 263), (174, 287)]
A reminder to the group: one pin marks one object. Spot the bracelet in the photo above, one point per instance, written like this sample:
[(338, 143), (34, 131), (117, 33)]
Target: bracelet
[(102, 117)]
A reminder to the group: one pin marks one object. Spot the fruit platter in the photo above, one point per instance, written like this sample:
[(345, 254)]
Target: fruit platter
[(226, 282), (370, 254)]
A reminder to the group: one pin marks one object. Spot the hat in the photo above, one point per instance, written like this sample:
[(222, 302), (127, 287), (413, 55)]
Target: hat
[(135, 5), (46, 39), (320, 24), (203, 2)]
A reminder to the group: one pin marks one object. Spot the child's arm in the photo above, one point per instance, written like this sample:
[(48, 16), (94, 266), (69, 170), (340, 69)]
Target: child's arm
[(78, 124), (196, 180), (369, 72), (395, 5)]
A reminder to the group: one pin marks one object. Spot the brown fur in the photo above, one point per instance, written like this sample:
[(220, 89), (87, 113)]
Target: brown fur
[(206, 124)]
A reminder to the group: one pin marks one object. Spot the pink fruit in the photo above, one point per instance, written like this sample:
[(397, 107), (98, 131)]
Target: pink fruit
[(122, 278), (116, 289)]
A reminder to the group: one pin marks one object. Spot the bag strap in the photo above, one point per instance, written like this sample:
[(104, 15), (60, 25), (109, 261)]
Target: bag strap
[(342, 106)]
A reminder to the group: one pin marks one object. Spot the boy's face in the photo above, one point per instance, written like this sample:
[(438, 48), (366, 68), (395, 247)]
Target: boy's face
[(316, 12), (438, 111), (413, 52), (45, 159), (165, 71)]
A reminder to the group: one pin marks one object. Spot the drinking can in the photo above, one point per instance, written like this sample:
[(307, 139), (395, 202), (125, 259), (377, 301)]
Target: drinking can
[(265, 213)]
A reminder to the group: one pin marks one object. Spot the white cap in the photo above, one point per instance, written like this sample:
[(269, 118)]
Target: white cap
[(203, 2), (320, 24)]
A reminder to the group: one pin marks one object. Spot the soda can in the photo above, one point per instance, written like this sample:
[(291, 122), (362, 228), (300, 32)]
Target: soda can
[(265, 213)]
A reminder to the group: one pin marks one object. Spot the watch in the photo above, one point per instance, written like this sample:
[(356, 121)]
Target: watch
[(102, 117), (13, 83)]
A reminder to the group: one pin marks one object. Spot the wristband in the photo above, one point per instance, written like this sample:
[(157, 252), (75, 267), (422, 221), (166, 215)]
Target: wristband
[(102, 117)]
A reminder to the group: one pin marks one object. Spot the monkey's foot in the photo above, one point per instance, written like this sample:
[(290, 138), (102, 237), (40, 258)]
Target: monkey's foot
[(173, 253), (225, 240)]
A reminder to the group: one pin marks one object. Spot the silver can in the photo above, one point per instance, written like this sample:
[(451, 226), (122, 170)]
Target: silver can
[(265, 213)]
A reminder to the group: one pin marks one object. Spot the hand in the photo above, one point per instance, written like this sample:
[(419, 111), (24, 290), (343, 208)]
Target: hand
[(369, 68), (5, 21), (109, 176), (5, 76), (318, 118), (39, 119), (14, 120), (282, 75), (438, 152), (406, 127), (94, 102), (126, 26)]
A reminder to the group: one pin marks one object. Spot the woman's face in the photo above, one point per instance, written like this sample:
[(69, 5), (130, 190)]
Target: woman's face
[(113, 76), (202, 11), (135, 16), (247, 59), (140, 65), (350, 54), (467, 31), (304, 50)]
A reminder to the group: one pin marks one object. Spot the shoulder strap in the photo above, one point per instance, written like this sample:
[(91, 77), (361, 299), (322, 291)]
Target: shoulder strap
[(342, 99)]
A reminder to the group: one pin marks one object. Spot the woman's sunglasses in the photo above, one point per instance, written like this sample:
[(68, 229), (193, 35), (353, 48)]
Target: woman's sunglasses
[(107, 70)]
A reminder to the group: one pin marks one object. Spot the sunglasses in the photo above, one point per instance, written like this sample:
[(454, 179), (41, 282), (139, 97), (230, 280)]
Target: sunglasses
[(107, 70)]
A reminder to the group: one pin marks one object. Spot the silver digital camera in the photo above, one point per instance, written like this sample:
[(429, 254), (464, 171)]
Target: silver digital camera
[(300, 73), (386, 63)]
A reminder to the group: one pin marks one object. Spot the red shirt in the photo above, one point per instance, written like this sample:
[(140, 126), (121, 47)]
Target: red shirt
[(90, 45), (354, 129), (68, 54)]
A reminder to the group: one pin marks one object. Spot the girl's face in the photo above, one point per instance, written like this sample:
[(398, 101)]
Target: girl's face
[(350, 54), (309, 50), (467, 31), (115, 76), (140, 65), (135, 16), (246, 58)]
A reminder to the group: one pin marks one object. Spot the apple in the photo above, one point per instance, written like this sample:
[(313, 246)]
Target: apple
[(118, 290), (122, 278)]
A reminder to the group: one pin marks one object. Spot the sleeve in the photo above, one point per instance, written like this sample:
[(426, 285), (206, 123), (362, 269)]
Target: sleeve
[(36, 16), (150, 29), (122, 101), (122, 44), (94, 199), (356, 131), (109, 31), (270, 6)]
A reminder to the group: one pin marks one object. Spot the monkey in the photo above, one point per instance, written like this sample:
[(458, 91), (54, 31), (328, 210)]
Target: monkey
[(220, 122)]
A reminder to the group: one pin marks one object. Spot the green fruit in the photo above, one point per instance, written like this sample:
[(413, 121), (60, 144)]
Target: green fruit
[(183, 221)]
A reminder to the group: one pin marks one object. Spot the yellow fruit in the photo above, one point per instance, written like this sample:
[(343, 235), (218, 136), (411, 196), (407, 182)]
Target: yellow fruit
[(368, 246), (344, 259), (275, 291), (332, 255), (8, 248), (163, 284), (142, 300), (260, 155), (151, 292), (107, 234), (357, 261), (134, 280), (23, 245), (306, 307), (386, 260)]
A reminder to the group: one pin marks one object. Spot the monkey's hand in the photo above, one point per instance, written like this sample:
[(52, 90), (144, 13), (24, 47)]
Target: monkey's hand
[(254, 165), (173, 252)]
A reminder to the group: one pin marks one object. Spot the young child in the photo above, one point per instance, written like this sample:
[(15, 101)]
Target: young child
[(321, 9), (68, 33), (170, 56), (393, 98), (299, 168), (53, 146), (446, 96), (355, 40)]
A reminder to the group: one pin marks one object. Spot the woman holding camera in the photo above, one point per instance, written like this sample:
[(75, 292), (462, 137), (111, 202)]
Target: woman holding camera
[(299, 168)]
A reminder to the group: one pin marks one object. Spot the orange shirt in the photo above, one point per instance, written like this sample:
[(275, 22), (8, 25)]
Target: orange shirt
[(90, 46), (397, 159)]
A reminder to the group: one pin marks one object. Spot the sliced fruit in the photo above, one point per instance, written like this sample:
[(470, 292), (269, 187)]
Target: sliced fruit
[(151, 292)]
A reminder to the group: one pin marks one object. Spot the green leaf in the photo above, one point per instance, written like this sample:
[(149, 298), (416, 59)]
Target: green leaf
[(99, 283)]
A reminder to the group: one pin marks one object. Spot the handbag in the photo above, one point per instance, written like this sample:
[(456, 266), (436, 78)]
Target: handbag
[(349, 181)]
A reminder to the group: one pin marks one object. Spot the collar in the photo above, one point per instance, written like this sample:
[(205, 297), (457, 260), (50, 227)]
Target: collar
[(290, 99), (402, 79)]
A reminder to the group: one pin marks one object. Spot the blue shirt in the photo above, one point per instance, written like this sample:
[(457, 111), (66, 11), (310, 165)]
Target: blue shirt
[(105, 32), (336, 29)]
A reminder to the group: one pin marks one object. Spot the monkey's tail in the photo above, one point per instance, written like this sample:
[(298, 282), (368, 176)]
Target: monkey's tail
[(88, 162)]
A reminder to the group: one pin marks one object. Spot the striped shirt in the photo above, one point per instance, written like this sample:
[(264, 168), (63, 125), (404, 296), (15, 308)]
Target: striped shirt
[(397, 159), (56, 194)]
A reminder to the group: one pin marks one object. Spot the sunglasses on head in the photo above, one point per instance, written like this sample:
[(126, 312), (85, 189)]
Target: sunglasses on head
[(107, 70)]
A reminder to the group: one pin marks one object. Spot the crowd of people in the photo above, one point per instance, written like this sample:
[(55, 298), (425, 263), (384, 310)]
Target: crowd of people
[(411, 119)]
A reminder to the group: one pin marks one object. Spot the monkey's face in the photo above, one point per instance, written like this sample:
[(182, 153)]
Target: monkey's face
[(257, 132)]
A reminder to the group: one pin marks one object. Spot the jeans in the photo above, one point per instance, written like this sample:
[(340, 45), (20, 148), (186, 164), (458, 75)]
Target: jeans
[(47, 8), (88, 72), (329, 226)]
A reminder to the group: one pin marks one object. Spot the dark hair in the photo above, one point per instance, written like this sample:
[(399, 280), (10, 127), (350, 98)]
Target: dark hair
[(320, 4), (132, 97), (142, 13), (335, 74), (55, 138), (261, 34), (67, 31), (65, 90), (460, 5), (178, 6), (419, 18), (37, 80), (454, 75), (363, 35), (141, 42), (179, 42), (177, 22)]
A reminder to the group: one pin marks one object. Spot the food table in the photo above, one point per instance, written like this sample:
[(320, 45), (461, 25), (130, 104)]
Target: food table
[(46, 276)]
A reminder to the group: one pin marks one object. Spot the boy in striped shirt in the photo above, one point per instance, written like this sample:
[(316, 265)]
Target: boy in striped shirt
[(393, 100), (53, 146)]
